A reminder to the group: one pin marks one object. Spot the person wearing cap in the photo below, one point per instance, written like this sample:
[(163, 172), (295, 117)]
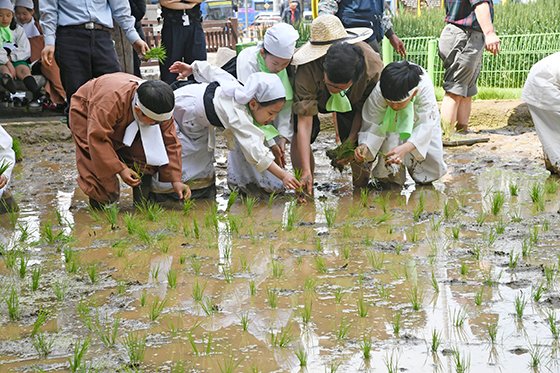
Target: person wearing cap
[(401, 127), (14, 54), (336, 72), (7, 162), (78, 34), (272, 56), (468, 32), (365, 13), (541, 92), (24, 10), (123, 126), (219, 101)]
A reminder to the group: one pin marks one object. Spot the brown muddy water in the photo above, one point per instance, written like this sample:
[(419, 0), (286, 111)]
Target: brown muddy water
[(464, 260)]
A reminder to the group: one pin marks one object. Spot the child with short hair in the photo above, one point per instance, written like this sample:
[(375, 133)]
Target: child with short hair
[(401, 127), (15, 53), (24, 11)]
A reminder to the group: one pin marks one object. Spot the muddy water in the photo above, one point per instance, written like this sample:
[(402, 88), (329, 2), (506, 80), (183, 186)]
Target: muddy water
[(385, 253)]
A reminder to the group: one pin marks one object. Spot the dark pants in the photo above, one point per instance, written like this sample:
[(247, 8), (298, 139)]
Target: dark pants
[(182, 43), (83, 55)]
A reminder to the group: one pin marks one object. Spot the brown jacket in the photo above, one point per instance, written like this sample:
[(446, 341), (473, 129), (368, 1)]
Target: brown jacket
[(311, 93), (99, 114)]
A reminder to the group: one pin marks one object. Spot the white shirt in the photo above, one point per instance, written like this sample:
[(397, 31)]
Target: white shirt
[(542, 88), (6, 155)]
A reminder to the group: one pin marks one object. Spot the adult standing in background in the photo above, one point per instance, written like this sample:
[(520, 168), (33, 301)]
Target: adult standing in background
[(365, 13), (468, 32), (182, 35), (138, 9), (78, 35)]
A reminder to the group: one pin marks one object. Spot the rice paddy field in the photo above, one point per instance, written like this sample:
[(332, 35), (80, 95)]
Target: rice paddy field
[(461, 276)]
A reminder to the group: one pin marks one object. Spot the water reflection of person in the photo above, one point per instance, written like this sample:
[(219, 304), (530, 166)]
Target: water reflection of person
[(401, 127), (7, 159), (542, 95)]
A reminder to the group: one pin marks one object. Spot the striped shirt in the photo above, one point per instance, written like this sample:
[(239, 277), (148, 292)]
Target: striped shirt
[(461, 13)]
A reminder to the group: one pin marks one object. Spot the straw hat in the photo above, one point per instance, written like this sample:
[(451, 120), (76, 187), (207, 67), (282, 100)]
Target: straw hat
[(325, 31)]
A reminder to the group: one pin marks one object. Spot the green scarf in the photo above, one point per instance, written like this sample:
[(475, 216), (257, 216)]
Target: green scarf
[(283, 75), (401, 121), (339, 102), (5, 35), (269, 130)]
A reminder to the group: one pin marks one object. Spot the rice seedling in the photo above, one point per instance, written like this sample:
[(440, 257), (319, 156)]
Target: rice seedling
[(375, 259), (23, 232), (92, 273), (346, 252), (135, 346), (108, 333), (196, 229), (10, 256), (549, 274), (272, 298), (188, 206), (520, 304), (513, 260), (12, 303), (516, 217), (382, 200), (156, 308), (338, 295), (526, 248), (150, 210), (536, 354), (232, 198), (121, 287), (435, 341), (301, 355), (500, 227), (208, 306), (42, 344), (196, 264), (435, 284), (228, 274), (198, 292), (396, 324), (492, 237), (366, 346), (252, 288), (534, 235), (513, 189), (59, 289), (306, 311), (281, 339), (277, 269), (462, 363), (364, 197), (143, 297), (464, 269), (476, 252), (320, 265), (330, 215), (550, 186), (497, 202), (545, 225), (458, 318), (435, 223), (35, 277), (538, 292), (537, 196), (228, 365), (76, 361), (383, 218), (342, 330), (271, 198), (552, 324), (490, 279), (492, 330), (346, 230), (111, 213), (23, 261), (244, 321), (392, 363), (156, 53), (154, 273), (172, 278), (419, 209), (481, 218), (291, 216), (363, 308), (342, 152), (478, 297), (455, 231), (249, 203), (449, 211), (416, 297), (42, 317)]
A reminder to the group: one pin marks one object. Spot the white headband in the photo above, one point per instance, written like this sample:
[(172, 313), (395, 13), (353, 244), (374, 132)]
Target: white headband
[(157, 117), (408, 95)]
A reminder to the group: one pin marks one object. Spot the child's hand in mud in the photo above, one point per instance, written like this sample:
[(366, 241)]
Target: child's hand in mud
[(184, 70), (396, 156), (182, 190), (360, 153), (130, 177), (3, 181), (290, 182), (278, 155)]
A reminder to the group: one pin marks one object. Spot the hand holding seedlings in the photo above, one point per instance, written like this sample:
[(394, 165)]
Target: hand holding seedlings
[(184, 70), (396, 156), (3, 181), (361, 153), (182, 190), (130, 177), (140, 47)]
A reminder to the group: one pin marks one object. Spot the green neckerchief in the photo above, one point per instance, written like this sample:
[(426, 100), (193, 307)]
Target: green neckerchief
[(339, 102), (5, 35), (401, 121), (269, 130), (283, 75)]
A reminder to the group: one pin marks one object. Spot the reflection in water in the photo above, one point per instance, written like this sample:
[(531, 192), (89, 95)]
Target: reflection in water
[(63, 202)]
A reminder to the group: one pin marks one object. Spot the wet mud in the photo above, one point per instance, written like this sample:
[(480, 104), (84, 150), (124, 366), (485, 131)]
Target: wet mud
[(460, 274)]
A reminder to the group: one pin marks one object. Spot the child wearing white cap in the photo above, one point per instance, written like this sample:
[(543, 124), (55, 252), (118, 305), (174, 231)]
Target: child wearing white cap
[(220, 101), (24, 12), (273, 55), (15, 53)]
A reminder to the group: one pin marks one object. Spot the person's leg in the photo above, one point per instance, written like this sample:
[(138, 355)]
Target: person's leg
[(196, 47), (174, 40), (104, 56), (463, 114), (360, 171), (6, 78), (449, 110), (548, 131), (23, 73)]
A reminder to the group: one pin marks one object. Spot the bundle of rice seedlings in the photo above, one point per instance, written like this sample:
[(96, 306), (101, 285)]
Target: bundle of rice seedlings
[(156, 53), (342, 152)]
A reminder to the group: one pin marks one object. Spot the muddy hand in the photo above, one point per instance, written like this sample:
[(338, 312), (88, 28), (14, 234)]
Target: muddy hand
[(182, 190), (130, 177), (184, 70), (360, 153)]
